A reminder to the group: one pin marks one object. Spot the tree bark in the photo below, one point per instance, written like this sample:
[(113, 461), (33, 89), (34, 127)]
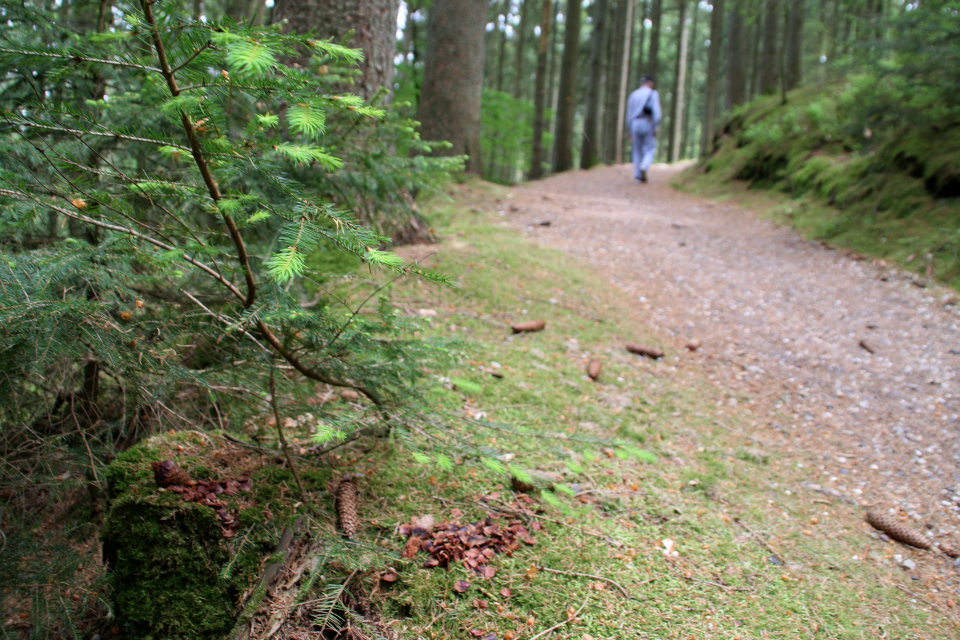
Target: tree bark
[(686, 145), (518, 62), (590, 148), (627, 22), (552, 72), (754, 38), (453, 78), (679, 83), (611, 80), (770, 69), (540, 91), (653, 60), (713, 73), (736, 46), (638, 70), (566, 101), (374, 26), (502, 54), (794, 45)]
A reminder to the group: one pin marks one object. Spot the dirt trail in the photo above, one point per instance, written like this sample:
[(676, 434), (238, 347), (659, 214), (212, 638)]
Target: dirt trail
[(781, 320)]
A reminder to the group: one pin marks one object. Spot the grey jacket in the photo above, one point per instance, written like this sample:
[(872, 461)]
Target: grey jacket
[(636, 102)]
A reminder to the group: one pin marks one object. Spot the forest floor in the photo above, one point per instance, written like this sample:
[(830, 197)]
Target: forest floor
[(743, 514), (770, 440)]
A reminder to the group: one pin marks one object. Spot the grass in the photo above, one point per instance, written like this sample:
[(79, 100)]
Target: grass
[(810, 165), (757, 555)]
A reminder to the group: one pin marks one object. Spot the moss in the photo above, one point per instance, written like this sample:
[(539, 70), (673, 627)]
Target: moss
[(165, 558), (173, 573)]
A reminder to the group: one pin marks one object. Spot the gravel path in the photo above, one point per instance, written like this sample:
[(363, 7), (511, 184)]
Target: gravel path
[(784, 324)]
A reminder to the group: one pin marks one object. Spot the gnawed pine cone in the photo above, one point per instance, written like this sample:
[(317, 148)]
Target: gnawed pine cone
[(897, 530), (639, 349), (529, 325), (348, 498), (593, 369), (168, 474)]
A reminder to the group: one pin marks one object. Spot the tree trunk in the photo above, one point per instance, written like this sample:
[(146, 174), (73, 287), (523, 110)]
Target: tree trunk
[(453, 78), (753, 37), (653, 60), (590, 149), (686, 147), (502, 54), (567, 99), (612, 79), (736, 76), (627, 22), (638, 70), (770, 69), (713, 73), (540, 91), (794, 45), (679, 83), (374, 27), (552, 72), (518, 63)]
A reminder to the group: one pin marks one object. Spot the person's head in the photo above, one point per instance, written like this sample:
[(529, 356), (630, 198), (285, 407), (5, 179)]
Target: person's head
[(646, 81)]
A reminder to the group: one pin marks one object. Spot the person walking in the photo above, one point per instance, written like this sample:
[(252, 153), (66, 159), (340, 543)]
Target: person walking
[(643, 120)]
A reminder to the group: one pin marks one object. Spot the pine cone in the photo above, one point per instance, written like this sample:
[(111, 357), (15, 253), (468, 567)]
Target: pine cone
[(348, 497), (167, 474), (529, 325), (949, 549), (593, 369), (897, 530), (650, 352)]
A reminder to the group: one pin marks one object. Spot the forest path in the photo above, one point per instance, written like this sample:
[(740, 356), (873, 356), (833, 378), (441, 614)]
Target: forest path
[(781, 320)]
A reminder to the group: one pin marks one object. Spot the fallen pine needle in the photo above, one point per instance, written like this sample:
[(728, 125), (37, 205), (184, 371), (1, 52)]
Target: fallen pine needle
[(588, 575), (560, 624)]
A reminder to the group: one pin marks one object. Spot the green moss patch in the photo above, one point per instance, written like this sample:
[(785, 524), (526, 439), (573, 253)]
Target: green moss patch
[(174, 572)]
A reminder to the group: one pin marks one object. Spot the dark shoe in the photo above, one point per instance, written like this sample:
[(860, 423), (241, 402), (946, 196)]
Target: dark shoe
[(643, 176)]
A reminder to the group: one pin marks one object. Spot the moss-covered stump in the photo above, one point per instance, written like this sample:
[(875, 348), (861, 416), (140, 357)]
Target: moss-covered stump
[(183, 558)]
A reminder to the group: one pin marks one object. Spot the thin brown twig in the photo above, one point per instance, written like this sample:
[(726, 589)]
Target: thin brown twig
[(283, 439), (588, 575)]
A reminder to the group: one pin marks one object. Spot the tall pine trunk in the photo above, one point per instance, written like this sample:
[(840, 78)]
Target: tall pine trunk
[(540, 90), (612, 81), (686, 147), (653, 60), (453, 77), (638, 67), (679, 83), (794, 45), (567, 100), (590, 149), (713, 73), (502, 53), (770, 69), (736, 57), (552, 72), (518, 62), (373, 24), (622, 83)]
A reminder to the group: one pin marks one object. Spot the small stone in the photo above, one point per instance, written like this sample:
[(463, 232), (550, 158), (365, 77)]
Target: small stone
[(909, 565)]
